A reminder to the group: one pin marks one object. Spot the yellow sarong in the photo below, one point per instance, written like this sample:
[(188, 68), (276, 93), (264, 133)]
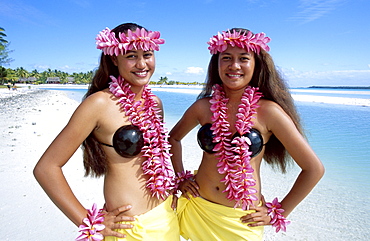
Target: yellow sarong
[(202, 220), (160, 224)]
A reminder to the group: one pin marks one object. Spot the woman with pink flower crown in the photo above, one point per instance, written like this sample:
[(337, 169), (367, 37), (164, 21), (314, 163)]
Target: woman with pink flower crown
[(246, 114), (120, 126)]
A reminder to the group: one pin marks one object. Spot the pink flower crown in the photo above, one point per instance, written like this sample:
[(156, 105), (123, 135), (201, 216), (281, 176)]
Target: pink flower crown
[(139, 39), (249, 41)]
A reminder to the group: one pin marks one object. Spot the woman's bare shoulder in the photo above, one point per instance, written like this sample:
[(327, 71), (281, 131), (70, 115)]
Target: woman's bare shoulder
[(98, 99), (202, 103), (269, 107)]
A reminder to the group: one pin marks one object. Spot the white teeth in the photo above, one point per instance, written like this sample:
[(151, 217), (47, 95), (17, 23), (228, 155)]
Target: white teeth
[(140, 73), (234, 75)]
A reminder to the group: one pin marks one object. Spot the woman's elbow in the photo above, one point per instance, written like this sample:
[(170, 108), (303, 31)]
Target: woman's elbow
[(321, 170), (317, 171), (38, 171)]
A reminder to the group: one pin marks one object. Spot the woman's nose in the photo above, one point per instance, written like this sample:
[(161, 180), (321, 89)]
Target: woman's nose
[(234, 65), (140, 64)]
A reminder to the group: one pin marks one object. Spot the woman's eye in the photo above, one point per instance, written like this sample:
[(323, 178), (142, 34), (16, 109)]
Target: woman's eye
[(148, 54)]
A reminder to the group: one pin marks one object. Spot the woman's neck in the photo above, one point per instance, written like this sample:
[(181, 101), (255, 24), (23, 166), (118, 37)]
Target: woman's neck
[(234, 96), (138, 90)]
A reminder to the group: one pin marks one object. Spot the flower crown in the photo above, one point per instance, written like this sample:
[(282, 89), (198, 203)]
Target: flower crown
[(139, 39), (249, 41)]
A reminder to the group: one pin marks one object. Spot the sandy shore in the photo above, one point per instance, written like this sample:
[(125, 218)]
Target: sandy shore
[(31, 120)]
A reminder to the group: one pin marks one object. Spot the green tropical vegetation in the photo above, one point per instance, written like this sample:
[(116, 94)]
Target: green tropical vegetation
[(21, 75), (3, 41), (4, 52)]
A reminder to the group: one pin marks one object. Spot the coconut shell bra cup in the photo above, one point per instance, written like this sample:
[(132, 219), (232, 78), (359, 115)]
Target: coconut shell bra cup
[(127, 141), (205, 140)]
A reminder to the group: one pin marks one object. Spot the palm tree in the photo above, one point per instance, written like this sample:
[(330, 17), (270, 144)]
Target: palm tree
[(63, 77), (11, 75), (3, 74), (3, 42), (163, 80), (22, 73), (35, 74), (49, 73), (4, 52)]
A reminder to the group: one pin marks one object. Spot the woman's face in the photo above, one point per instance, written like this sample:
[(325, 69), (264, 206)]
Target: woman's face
[(136, 66), (235, 67)]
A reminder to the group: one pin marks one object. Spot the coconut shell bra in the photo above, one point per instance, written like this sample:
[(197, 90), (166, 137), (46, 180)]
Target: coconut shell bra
[(205, 140), (127, 141)]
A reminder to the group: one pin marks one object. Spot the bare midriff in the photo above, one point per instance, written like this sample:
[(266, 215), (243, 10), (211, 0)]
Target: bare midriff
[(209, 180), (125, 185)]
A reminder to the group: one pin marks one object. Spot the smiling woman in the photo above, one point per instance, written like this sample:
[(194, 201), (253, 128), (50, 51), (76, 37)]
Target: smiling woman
[(137, 65), (117, 105), (252, 118), (235, 64)]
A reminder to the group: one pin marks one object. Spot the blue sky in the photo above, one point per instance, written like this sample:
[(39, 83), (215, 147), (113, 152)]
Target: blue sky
[(313, 42)]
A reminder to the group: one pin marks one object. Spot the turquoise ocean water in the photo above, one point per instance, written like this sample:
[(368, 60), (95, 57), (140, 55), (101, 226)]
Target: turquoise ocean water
[(339, 134)]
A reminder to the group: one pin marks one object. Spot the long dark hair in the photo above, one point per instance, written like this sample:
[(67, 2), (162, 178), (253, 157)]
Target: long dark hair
[(269, 81), (94, 157)]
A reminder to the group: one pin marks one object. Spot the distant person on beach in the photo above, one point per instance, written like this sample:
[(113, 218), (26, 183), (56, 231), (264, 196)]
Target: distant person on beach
[(246, 114), (9, 85), (120, 126)]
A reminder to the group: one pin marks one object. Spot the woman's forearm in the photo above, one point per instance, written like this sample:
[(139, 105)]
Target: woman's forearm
[(176, 158), (52, 180), (303, 185)]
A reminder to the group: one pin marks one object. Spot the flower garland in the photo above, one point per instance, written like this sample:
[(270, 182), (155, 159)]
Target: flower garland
[(92, 225), (182, 176), (250, 41), (156, 146), (139, 39), (275, 212), (235, 161)]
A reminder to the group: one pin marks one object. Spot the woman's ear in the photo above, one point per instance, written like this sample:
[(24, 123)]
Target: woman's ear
[(114, 60)]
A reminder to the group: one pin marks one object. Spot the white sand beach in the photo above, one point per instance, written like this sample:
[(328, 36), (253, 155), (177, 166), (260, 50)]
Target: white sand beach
[(30, 120)]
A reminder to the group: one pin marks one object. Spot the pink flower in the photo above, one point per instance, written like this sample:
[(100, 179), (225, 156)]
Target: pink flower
[(219, 42), (139, 39), (156, 150), (92, 225), (275, 212), (234, 161)]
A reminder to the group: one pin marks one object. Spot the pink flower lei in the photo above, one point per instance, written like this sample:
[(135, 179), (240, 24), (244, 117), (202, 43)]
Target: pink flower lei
[(234, 161), (249, 41), (156, 148), (92, 225), (139, 39), (278, 221)]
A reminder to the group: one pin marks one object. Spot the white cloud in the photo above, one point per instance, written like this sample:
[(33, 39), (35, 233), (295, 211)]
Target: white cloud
[(312, 10), (168, 73), (40, 67), (194, 70), (65, 67)]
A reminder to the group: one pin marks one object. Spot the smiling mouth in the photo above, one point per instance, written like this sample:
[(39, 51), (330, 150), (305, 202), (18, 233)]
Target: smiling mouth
[(234, 75), (141, 73)]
